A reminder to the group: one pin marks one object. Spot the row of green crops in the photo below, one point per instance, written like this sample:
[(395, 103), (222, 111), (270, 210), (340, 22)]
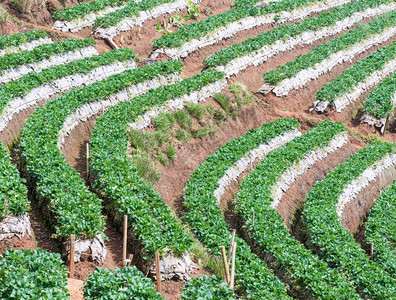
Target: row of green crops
[(82, 9), (381, 100), (239, 3), (281, 33), (334, 244), (132, 9), (28, 82), (124, 283), (356, 74), (117, 181), (73, 208), (207, 288), (19, 39), (268, 232), (42, 52), (13, 199), (381, 229), (199, 29), (32, 274), (323, 51), (205, 218)]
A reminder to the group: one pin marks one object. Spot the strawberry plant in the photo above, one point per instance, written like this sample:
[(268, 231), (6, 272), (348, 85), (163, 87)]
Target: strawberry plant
[(19, 39)]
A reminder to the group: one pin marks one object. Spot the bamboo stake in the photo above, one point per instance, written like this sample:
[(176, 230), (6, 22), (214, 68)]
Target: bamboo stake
[(71, 266), (383, 129), (253, 217), (158, 271), (230, 250), (124, 243), (233, 266), (225, 262), (87, 160), (372, 250)]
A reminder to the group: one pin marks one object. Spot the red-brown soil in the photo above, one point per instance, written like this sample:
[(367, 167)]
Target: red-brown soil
[(75, 289)]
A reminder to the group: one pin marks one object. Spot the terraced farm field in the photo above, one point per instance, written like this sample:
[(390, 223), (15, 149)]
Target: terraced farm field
[(174, 149)]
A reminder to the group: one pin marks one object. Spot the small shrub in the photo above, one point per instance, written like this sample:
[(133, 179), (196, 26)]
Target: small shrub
[(224, 102), (181, 135), (183, 119), (171, 152), (146, 167), (193, 10), (212, 129), (242, 94), (220, 116), (196, 111), (4, 15), (162, 158), (25, 6), (200, 132), (164, 121)]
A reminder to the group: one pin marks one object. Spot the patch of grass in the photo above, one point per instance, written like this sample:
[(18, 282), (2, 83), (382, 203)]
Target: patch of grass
[(224, 102), (162, 158), (146, 167), (242, 95), (212, 129), (234, 115), (25, 6), (164, 121), (220, 116), (200, 132), (161, 138), (171, 152), (196, 111), (138, 139), (180, 135), (4, 15), (183, 119)]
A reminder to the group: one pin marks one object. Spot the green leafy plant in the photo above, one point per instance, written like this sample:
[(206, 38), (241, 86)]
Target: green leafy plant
[(32, 274), (123, 283), (19, 39), (207, 288), (193, 10), (177, 20)]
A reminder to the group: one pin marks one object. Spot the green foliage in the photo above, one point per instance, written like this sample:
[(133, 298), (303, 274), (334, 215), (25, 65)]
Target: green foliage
[(164, 121), (381, 100), (242, 94), (196, 111), (41, 52), (183, 119), (212, 230), (18, 39), (268, 232), (181, 135), (171, 152), (207, 288), (22, 86), (337, 246), (32, 274), (13, 192), (162, 158), (199, 29), (116, 175), (193, 10), (323, 51), (381, 230), (25, 6), (123, 283), (5, 16), (57, 183), (224, 102), (350, 78), (200, 132), (145, 167)]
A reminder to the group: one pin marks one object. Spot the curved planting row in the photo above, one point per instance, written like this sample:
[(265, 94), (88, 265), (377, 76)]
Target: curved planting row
[(204, 287), (381, 230), (381, 101), (334, 244), (14, 65), (63, 197), (116, 179), (258, 193), (22, 41), (32, 274), (125, 283), (33, 88), (304, 68), (13, 199), (134, 14), (353, 82), (205, 218), (256, 50), (209, 31)]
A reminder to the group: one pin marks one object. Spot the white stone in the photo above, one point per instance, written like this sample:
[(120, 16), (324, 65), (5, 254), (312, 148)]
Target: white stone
[(96, 245), (17, 226), (175, 268)]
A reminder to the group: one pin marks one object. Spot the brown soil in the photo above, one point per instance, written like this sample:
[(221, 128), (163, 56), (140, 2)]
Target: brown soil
[(357, 210), (75, 289), (26, 242)]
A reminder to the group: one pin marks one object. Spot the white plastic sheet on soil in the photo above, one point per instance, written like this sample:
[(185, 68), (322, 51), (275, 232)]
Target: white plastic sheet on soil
[(301, 78), (249, 158), (357, 185), (173, 268), (260, 56), (96, 245), (129, 22), (244, 24), (15, 226), (89, 110), (301, 167), (343, 101), (26, 47), (57, 59), (178, 103), (43, 92)]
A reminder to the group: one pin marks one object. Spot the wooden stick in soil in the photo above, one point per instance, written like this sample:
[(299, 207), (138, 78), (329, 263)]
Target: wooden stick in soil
[(129, 261), (71, 267), (233, 266), (158, 271), (226, 269), (383, 129), (252, 217), (124, 242), (230, 250), (372, 250), (87, 160)]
